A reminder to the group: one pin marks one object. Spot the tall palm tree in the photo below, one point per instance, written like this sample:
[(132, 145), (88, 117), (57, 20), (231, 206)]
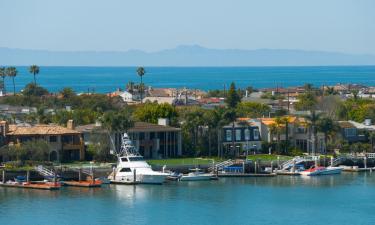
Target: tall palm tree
[(278, 126), (313, 119), (12, 72), (34, 69), (3, 75), (285, 120), (141, 72), (327, 126)]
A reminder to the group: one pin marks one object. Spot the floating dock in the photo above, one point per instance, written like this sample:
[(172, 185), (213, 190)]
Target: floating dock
[(88, 184), (42, 186), (287, 173), (356, 169), (246, 174)]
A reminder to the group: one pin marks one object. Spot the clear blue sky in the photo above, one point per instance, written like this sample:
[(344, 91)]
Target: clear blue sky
[(151, 25)]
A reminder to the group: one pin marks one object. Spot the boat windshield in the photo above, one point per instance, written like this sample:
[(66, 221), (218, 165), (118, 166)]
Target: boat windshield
[(138, 158)]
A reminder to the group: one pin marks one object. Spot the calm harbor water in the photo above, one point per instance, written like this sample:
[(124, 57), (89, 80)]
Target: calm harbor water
[(107, 79), (339, 199)]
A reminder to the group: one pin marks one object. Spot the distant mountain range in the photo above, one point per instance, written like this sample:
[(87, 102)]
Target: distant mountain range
[(185, 55)]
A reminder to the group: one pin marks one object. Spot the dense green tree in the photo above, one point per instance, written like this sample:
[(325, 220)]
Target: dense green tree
[(252, 109), (119, 121), (34, 90), (34, 70), (151, 112), (306, 101), (232, 98)]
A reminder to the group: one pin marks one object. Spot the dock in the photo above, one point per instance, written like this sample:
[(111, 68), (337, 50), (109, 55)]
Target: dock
[(287, 173), (246, 174), (41, 186), (356, 169), (88, 184)]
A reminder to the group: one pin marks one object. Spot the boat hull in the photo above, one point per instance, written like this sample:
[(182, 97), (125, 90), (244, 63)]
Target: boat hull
[(196, 178), (140, 179), (326, 171)]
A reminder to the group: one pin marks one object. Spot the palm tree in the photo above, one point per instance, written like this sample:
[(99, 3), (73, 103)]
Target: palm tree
[(141, 72), (326, 126), (34, 69), (285, 120), (3, 75), (12, 72), (230, 115), (277, 127), (372, 140), (313, 119)]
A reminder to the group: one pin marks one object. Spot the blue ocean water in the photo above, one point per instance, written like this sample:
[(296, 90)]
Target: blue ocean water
[(107, 79), (345, 199)]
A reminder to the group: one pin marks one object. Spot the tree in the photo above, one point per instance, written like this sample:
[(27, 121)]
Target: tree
[(12, 72), (141, 72), (313, 119), (67, 93), (34, 90), (151, 112), (117, 121), (327, 126), (34, 69), (233, 98), (3, 74), (306, 101), (252, 109)]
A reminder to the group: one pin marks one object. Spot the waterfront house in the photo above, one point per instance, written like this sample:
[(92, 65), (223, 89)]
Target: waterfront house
[(299, 133), (352, 131), (66, 144), (245, 136), (152, 140)]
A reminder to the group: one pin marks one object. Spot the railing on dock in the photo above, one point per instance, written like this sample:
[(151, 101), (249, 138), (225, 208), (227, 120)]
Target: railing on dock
[(46, 173), (221, 165)]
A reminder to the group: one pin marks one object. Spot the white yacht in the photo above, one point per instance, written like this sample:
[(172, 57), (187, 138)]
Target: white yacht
[(196, 175), (132, 168)]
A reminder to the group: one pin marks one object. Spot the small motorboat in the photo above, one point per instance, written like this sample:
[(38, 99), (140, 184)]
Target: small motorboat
[(196, 175), (320, 170), (174, 176)]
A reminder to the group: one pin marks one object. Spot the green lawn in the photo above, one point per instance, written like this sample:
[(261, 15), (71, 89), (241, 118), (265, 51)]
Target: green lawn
[(266, 157), (181, 161)]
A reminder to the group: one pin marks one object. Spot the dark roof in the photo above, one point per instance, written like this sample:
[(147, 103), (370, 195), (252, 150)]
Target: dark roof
[(138, 127), (142, 126)]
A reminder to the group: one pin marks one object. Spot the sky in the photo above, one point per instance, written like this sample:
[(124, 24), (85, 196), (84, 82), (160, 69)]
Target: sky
[(346, 26)]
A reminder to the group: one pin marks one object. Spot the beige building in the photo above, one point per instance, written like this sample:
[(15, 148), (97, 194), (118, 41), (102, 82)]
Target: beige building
[(66, 144)]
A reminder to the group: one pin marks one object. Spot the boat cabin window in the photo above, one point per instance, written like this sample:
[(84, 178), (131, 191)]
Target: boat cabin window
[(124, 159), (138, 158), (125, 170)]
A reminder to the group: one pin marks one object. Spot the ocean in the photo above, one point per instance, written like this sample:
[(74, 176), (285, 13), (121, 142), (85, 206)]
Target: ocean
[(108, 79), (346, 199)]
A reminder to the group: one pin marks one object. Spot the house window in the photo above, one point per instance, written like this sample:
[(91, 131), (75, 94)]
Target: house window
[(301, 130), (238, 135), (52, 138), (247, 134), (350, 132), (256, 134), (228, 134)]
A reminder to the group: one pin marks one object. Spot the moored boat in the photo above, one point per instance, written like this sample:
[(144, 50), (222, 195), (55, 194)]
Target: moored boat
[(196, 175), (320, 170), (132, 168)]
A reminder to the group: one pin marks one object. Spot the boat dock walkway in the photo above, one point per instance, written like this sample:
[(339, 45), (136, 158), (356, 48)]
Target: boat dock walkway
[(42, 186), (246, 174)]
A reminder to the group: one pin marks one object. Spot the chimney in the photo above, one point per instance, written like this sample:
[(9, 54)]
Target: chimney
[(70, 124), (163, 121), (4, 128), (367, 122)]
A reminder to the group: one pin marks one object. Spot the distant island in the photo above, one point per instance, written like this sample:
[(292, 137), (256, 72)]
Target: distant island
[(184, 55)]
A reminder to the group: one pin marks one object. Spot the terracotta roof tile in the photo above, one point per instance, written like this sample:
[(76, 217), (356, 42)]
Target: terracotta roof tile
[(40, 129)]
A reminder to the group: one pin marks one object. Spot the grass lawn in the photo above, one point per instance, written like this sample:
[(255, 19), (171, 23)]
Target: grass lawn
[(181, 161), (266, 157)]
